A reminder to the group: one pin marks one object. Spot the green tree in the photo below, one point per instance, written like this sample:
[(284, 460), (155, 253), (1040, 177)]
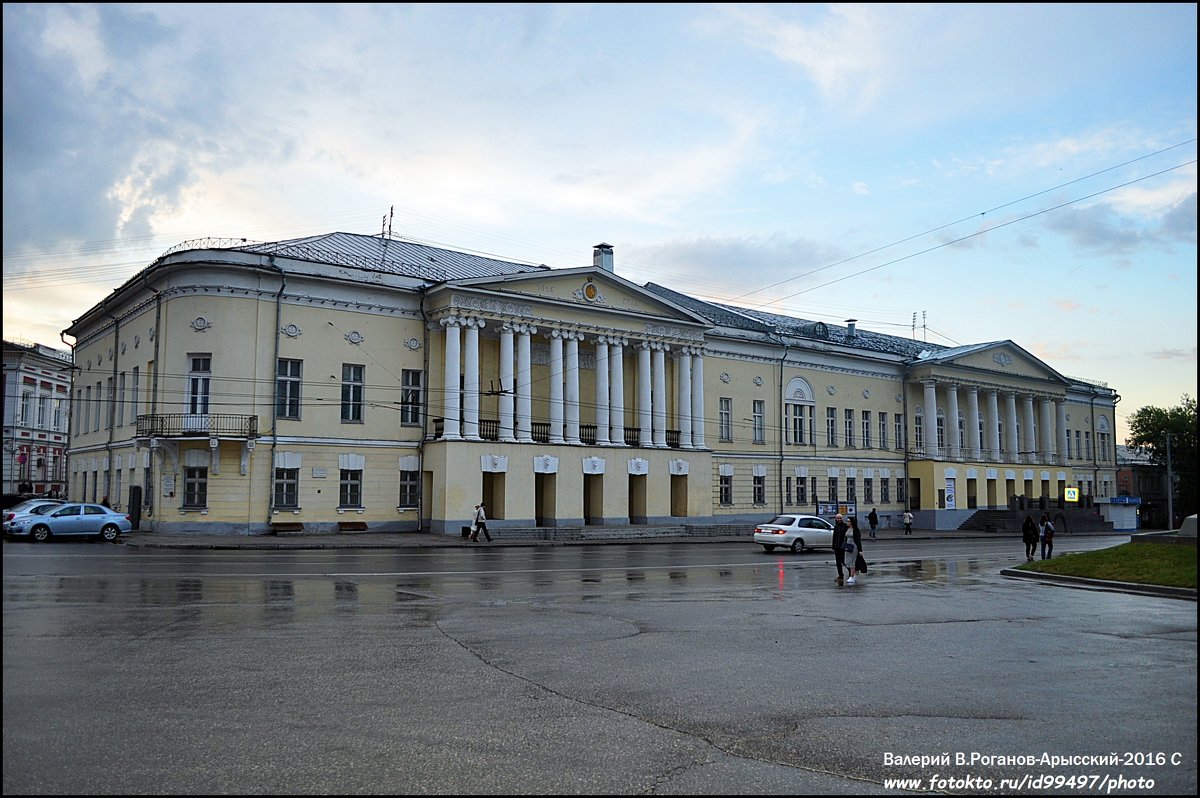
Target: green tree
[(1149, 428)]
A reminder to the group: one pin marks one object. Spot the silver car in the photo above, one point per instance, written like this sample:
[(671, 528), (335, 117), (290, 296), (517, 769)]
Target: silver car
[(71, 520), (795, 532), (34, 506)]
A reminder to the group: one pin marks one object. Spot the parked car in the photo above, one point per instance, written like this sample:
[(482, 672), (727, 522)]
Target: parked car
[(71, 519), (29, 506), (795, 532)]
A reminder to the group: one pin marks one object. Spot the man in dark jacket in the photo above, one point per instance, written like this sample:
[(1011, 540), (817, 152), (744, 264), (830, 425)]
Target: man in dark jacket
[(839, 538)]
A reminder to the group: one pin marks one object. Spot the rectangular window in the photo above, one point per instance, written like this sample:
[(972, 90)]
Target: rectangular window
[(350, 494), (833, 489), (831, 426), (199, 383), (851, 489), (866, 428), (195, 487), (287, 488), (787, 491), (800, 422), (941, 433), (109, 396), (849, 427), (410, 398), (410, 489), (26, 409), (759, 417), (97, 407), (725, 418), (288, 382), (1068, 452), (134, 387), (801, 493), (760, 490), (884, 491), (899, 444), (883, 431), (1087, 444), (352, 392), (813, 485), (900, 489), (1078, 446), (43, 411), (726, 485), (868, 490), (84, 397), (121, 400), (58, 408), (919, 433)]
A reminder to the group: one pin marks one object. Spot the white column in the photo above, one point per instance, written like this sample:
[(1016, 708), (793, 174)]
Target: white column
[(1060, 413), (930, 420), (697, 399), (1012, 445), (602, 391), (683, 396), (973, 442), (658, 366), (507, 385), (471, 380), (1046, 431), (556, 386), (644, 414), (524, 385), (1030, 431), (450, 399), (953, 439), (993, 426), (616, 391), (571, 411)]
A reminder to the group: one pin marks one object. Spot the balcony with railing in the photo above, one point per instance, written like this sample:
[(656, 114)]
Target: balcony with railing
[(197, 425), (489, 430)]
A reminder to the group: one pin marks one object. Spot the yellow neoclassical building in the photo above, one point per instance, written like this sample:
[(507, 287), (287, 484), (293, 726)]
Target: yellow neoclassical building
[(348, 382)]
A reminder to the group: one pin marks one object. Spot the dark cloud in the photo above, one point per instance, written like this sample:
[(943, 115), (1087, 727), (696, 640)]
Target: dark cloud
[(1179, 223)]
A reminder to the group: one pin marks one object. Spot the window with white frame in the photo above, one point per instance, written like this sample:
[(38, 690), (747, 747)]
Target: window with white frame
[(121, 400), (899, 444), (195, 487), (866, 429), (289, 382), (287, 488), (350, 487), (725, 418), (199, 383), (352, 392), (410, 490), (919, 429), (851, 489), (831, 426), (759, 413), (849, 427), (868, 489), (884, 493), (410, 397), (883, 436), (760, 489), (801, 493), (833, 489)]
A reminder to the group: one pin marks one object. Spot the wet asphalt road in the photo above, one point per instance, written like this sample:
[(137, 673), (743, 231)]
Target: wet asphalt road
[(619, 669)]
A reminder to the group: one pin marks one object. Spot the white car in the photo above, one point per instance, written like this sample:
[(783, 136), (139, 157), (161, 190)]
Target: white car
[(795, 532), (27, 507)]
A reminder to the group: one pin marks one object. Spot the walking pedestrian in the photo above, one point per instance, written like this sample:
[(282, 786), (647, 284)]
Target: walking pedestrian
[(839, 542), (1029, 534), (908, 519), (1047, 537), (873, 519), (480, 524), (853, 547)]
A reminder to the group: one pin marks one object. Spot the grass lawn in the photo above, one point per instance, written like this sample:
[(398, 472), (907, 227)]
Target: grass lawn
[(1147, 563)]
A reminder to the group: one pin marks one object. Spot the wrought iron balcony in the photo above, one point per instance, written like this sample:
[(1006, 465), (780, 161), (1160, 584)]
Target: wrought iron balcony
[(195, 425)]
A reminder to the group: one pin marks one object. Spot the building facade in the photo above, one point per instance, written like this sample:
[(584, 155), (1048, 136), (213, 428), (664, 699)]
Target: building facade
[(37, 382), (348, 382)]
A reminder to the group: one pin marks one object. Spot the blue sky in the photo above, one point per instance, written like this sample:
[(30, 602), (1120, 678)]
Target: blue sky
[(1023, 172)]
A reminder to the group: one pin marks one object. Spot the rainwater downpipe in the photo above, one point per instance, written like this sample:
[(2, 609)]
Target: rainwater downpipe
[(148, 498), (112, 411), (425, 380), (274, 397), (782, 420), (66, 480)]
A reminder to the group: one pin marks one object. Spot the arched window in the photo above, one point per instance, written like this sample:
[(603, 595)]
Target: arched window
[(798, 410)]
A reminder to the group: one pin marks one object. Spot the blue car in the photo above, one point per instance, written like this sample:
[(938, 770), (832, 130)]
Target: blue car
[(71, 520)]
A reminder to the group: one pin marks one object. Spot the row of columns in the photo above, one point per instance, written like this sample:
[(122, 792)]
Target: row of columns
[(461, 350), (1052, 428)]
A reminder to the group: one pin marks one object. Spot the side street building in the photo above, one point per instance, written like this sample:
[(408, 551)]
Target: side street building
[(346, 382), (37, 381)]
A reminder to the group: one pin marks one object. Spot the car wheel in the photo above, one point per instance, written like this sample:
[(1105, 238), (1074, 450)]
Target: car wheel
[(798, 546), (768, 548), (40, 534), (109, 533)]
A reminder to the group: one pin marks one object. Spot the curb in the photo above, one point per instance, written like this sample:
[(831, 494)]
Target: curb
[(1162, 591)]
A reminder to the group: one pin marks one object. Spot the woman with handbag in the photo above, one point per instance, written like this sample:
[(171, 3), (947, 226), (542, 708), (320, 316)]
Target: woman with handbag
[(853, 548)]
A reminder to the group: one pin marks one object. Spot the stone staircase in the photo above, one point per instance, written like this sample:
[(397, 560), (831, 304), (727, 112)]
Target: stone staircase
[(1008, 522)]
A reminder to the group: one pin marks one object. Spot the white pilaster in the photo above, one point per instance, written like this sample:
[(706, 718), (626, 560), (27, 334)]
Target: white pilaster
[(524, 384), (507, 385), (993, 426), (659, 400), (556, 386), (571, 411), (644, 414), (1012, 444), (471, 380), (953, 439), (683, 396), (1031, 446), (602, 391), (697, 398), (973, 442), (1046, 431), (1060, 413), (930, 420), (616, 391)]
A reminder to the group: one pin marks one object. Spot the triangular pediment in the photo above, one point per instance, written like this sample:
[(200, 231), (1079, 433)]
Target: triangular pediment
[(585, 291), (998, 357)]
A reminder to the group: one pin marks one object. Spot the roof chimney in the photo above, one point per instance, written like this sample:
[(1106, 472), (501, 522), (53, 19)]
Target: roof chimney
[(602, 257), (850, 331)]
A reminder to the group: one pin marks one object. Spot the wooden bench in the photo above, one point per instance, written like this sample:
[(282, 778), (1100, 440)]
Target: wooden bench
[(352, 526), (286, 528)]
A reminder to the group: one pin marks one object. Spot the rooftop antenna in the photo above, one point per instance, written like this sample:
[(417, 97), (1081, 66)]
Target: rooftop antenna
[(924, 328), (914, 326)]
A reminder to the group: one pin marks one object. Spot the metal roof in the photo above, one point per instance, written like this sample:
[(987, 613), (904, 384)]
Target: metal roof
[(389, 255)]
